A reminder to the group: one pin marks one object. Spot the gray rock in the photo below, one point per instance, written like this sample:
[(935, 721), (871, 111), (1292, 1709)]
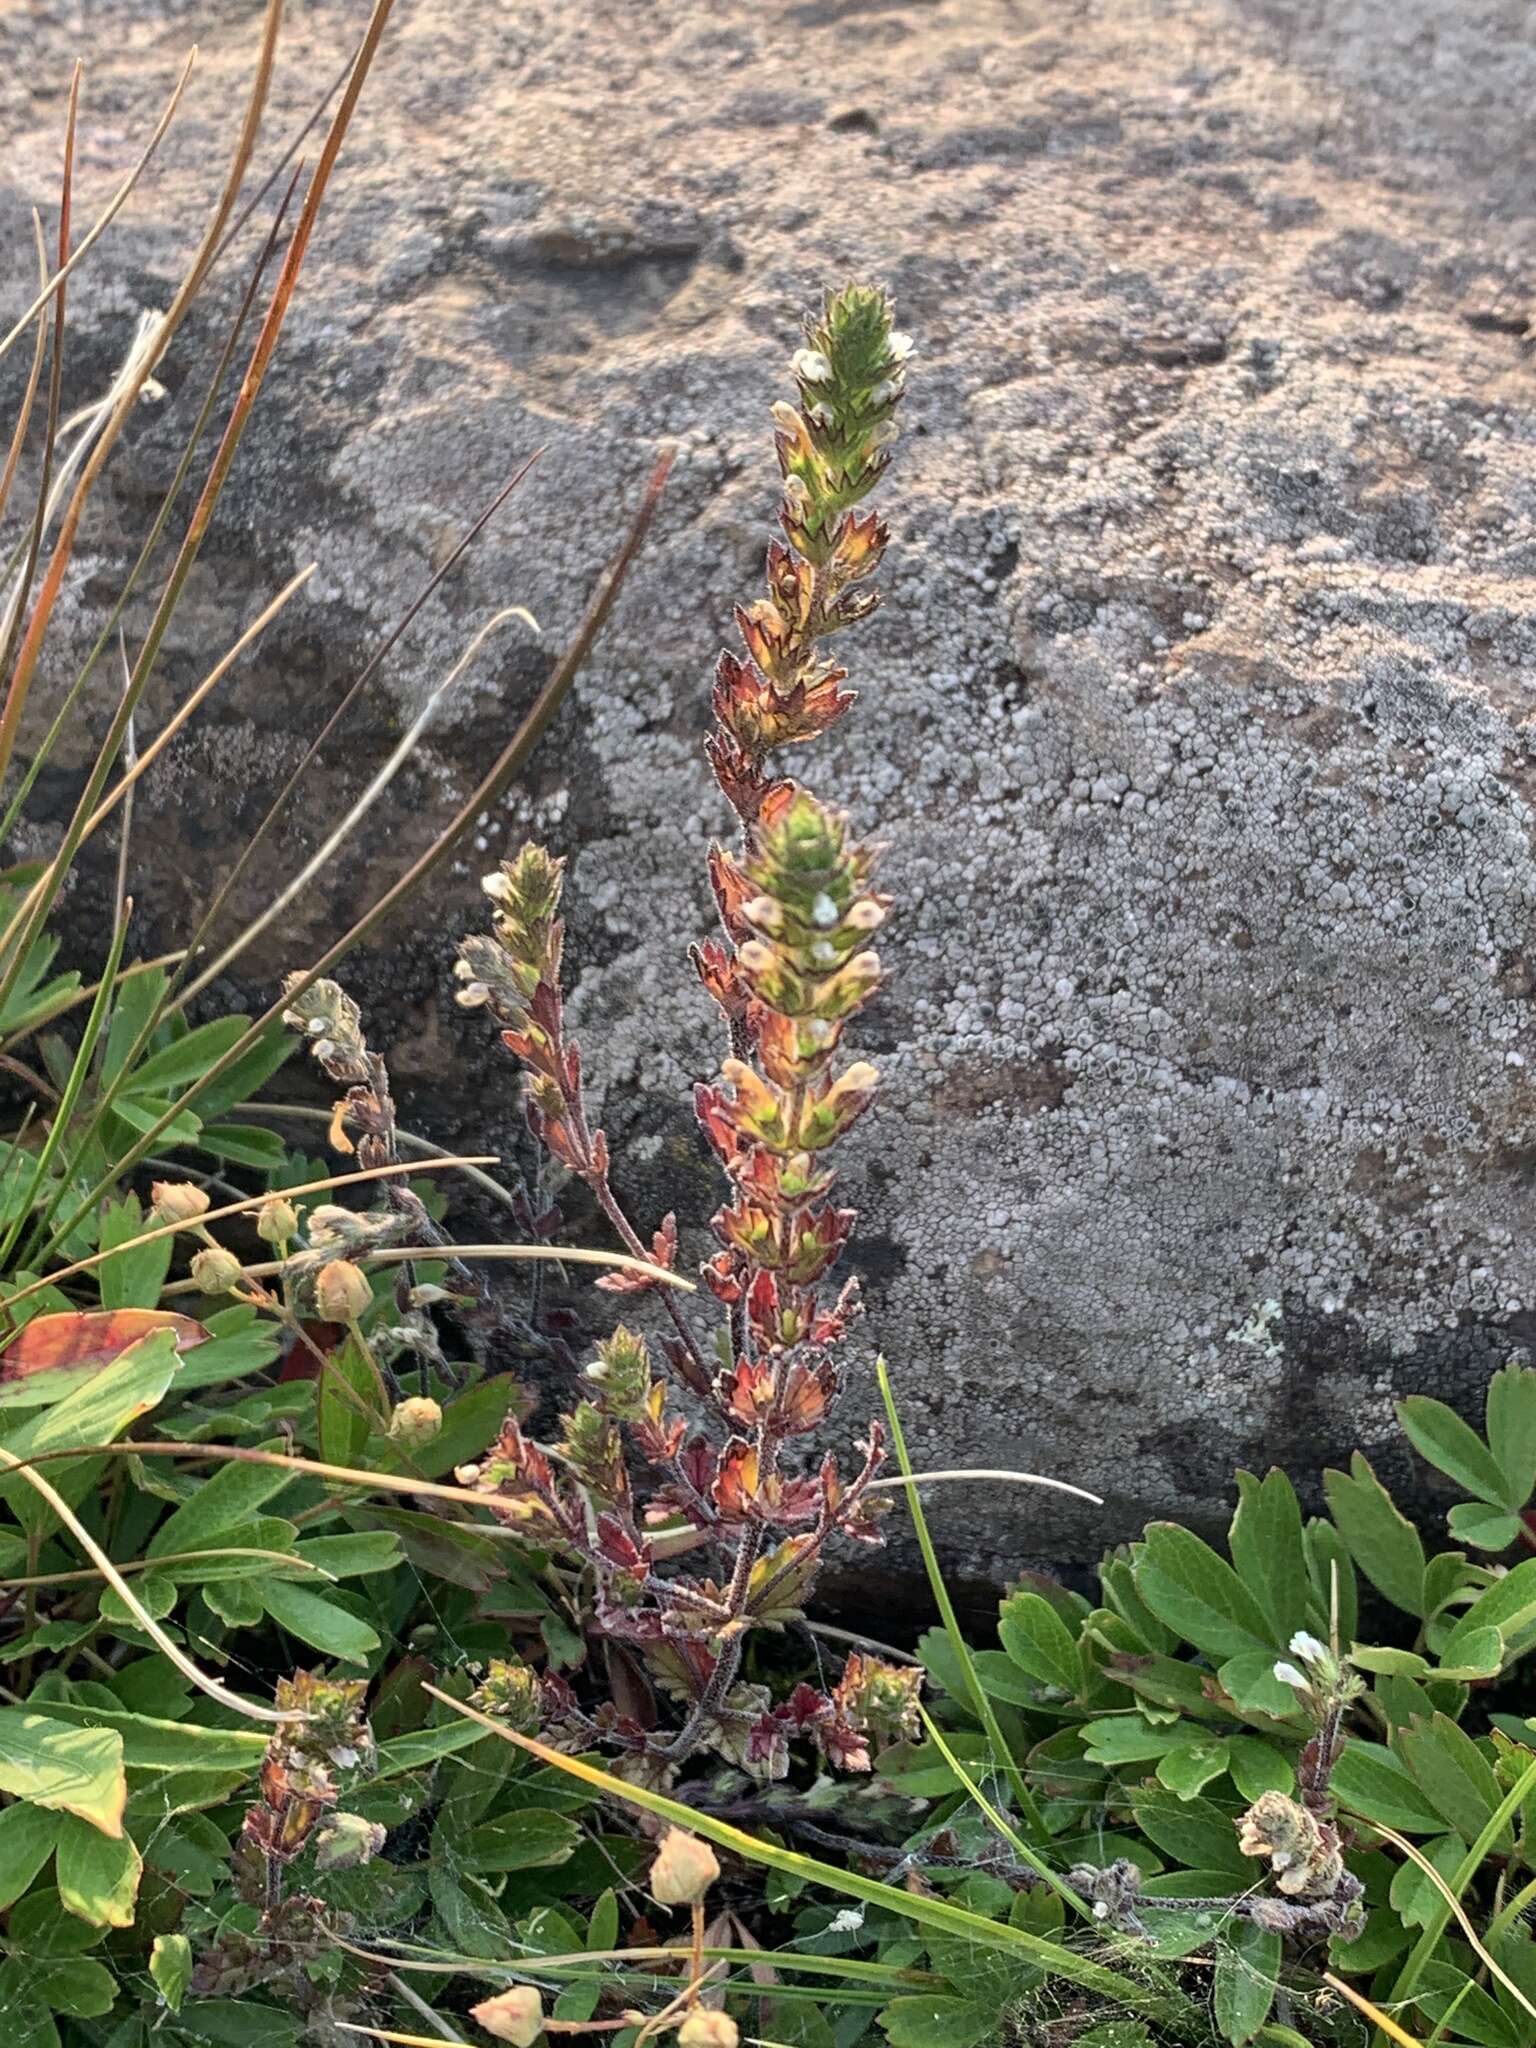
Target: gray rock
[(1196, 725)]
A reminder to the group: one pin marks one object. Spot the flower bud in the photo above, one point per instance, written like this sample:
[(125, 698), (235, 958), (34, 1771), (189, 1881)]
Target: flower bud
[(704, 2028), (277, 1221), (516, 2015), (415, 1421), (684, 1869), (342, 1292), (178, 1201), (217, 1271)]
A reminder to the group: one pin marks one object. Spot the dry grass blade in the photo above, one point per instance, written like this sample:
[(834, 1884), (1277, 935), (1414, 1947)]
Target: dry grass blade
[(142, 762), (250, 1203), (511, 759), (1373, 2013), (108, 214), (550, 1254), (1474, 1941), (27, 658), (325, 853), (312, 752), (34, 378)]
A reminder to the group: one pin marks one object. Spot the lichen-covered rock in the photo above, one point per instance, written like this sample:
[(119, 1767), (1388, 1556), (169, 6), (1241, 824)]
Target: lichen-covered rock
[(1197, 725)]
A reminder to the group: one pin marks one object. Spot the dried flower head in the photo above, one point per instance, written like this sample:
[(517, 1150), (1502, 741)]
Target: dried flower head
[(515, 2015), (684, 1869), (342, 1293), (415, 1421), (1303, 1852), (277, 1221), (703, 2027), (217, 1271), (178, 1201)]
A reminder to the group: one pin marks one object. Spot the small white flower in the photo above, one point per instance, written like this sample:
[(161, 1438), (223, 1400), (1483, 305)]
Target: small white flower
[(848, 1921), (1289, 1675), (824, 911), (899, 347), (810, 366), (1308, 1648)]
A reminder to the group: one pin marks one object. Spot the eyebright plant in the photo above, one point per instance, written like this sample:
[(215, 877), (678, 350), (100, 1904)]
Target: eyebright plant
[(793, 966)]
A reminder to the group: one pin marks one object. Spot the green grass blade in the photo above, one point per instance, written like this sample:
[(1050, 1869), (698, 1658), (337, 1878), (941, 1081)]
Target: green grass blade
[(1029, 1812), (1170, 2009)]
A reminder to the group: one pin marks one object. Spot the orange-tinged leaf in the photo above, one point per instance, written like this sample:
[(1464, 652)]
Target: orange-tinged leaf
[(87, 1339)]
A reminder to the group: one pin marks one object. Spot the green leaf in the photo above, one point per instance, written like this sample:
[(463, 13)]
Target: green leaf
[(171, 1070), (242, 1342), (1439, 1434), (1511, 1413), (931, 2020), (238, 2023), (244, 1145), (350, 1404), (1374, 1784), (1039, 1642), (1196, 1592), (358, 1554), (99, 1410), (98, 1875), (170, 1967), (1479, 2017), (1382, 1541), (521, 1841), (1250, 1680), (1257, 1767), (1269, 1551), (1189, 1768), (424, 1746), (223, 1502), (1509, 1605), (1194, 1832), (73, 1770), (1452, 1773), (1118, 1739), (148, 1744), (1471, 1650), (1484, 1527), (475, 1925), (27, 1836), (320, 1623), (81, 1989), (1332, 1573), (1247, 1970), (1415, 1898), (131, 1279)]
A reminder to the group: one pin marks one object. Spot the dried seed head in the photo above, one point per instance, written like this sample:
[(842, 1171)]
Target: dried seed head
[(277, 1221), (684, 1869), (217, 1271), (178, 1201), (704, 2028), (415, 1421), (342, 1292), (516, 2015)]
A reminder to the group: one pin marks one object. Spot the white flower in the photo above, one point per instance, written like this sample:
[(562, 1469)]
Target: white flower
[(810, 366), (899, 347), (1289, 1675), (1308, 1648)]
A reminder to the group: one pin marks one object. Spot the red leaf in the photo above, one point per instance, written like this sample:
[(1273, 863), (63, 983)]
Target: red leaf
[(79, 1338)]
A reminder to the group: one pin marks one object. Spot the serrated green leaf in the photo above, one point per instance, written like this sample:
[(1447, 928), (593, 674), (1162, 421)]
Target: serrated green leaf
[(1484, 1527), (170, 1968), (1187, 1769), (1511, 1414), (932, 2020), (1382, 1541), (97, 1875), (1034, 1635), (1373, 1783), (1193, 1590), (1452, 1773), (130, 1279), (1269, 1551), (1439, 1434), (1250, 1681)]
